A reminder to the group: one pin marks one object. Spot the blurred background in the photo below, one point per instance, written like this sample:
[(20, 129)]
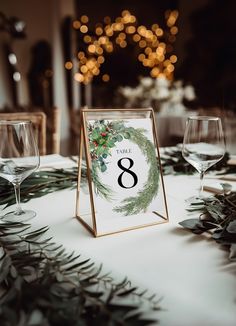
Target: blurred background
[(177, 56)]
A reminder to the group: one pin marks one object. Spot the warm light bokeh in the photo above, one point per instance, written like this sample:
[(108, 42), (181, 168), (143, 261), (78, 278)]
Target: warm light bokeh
[(155, 45)]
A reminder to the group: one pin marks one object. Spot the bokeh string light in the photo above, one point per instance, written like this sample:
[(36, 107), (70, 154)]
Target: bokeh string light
[(154, 46)]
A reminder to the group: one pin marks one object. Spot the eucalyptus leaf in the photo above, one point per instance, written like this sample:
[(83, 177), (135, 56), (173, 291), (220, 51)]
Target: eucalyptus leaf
[(127, 135), (119, 138), (190, 224), (103, 167)]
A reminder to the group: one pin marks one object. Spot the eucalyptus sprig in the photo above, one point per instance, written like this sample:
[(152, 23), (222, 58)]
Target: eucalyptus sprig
[(40, 284), (218, 217)]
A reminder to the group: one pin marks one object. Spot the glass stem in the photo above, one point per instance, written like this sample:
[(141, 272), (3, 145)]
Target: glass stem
[(200, 195), (18, 210)]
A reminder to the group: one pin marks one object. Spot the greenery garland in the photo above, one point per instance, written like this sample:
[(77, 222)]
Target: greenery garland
[(71, 291), (42, 285), (218, 217), (40, 183), (103, 136)]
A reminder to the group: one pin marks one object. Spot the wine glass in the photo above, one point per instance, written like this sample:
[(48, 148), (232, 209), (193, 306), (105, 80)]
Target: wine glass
[(203, 145), (19, 157)]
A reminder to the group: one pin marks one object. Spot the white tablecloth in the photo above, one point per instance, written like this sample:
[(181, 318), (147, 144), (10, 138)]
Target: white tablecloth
[(189, 272)]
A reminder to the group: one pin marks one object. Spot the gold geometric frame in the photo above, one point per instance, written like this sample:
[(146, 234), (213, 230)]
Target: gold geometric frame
[(97, 114)]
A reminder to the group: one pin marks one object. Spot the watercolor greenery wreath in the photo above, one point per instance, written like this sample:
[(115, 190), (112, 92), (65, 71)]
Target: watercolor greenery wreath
[(103, 136)]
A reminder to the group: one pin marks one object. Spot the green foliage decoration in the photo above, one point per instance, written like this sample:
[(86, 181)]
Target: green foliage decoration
[(217, 213), (41, 284), (217, 217), (39, 184), (103, 136)]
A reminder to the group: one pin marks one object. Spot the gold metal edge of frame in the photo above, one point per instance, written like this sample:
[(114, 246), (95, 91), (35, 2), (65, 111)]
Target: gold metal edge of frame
[(97, 234), (88, 162), (155, 137), (116, 109)]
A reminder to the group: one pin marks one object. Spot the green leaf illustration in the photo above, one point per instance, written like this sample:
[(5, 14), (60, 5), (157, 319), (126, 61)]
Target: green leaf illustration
[(111, 133)]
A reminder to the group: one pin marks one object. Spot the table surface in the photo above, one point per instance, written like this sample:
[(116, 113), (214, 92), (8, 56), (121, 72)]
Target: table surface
[(190, 273)]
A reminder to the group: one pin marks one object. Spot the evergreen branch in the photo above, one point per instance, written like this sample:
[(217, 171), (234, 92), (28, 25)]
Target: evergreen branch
[(101, 190)]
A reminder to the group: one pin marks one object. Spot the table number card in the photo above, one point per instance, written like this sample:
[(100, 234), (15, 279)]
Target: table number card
[(123, 188)]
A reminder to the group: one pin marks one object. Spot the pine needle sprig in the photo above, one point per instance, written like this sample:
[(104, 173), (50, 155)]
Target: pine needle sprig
[(101, 189)]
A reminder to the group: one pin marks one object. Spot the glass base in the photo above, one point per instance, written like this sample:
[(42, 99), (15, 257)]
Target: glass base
[(25, 216)]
